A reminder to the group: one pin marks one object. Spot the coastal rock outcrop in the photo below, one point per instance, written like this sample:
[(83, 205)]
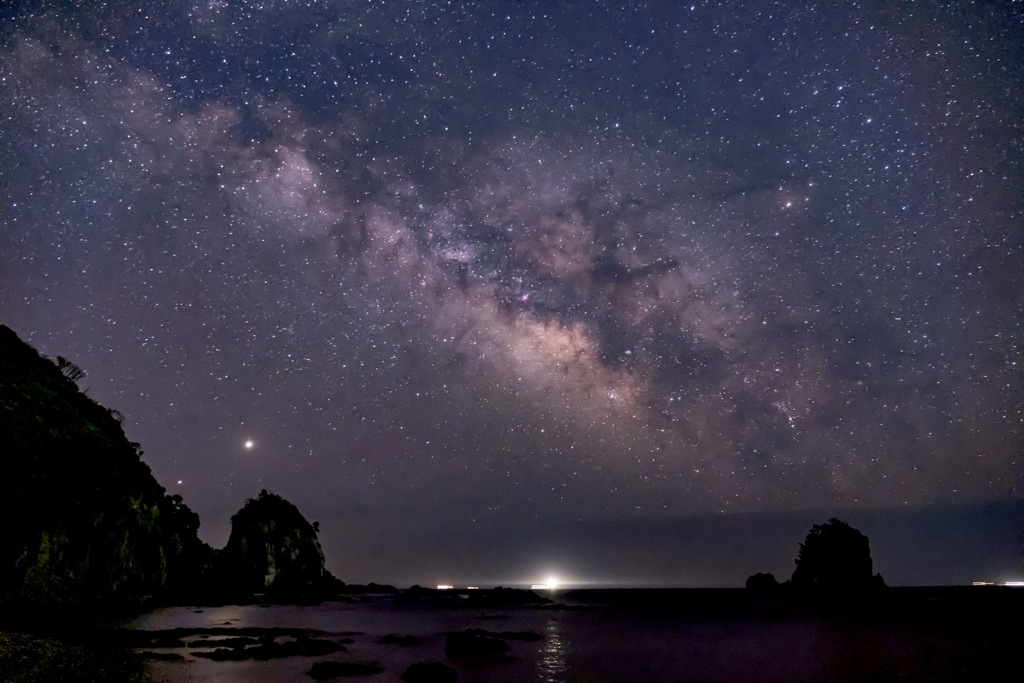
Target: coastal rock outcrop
[(272, 549), (83, 518), (473, 643), (835, 558), (762, 583), (430, 672)]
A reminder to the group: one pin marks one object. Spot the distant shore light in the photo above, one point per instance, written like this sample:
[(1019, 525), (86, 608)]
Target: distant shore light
[(551, 584)]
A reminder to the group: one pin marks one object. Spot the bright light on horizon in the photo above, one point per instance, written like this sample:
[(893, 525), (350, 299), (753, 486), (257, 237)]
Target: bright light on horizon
[(551, 584)]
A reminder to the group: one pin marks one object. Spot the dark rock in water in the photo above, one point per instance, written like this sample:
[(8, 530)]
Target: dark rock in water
[(268, 649), (367, 589), (85, 522), (324, 671), (233, 643), (84, 519), (762, 583), (472, 643), (835, 558), (27, 658), (395, 639), (223, 654), (501, 596), (430, 672), (272, 549), (507, 635), (161, 656)]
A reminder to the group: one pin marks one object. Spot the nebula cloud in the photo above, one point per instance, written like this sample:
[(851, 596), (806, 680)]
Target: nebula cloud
[(463, 263)]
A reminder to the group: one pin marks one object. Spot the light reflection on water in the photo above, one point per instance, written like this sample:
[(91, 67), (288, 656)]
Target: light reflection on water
[(552, 656)]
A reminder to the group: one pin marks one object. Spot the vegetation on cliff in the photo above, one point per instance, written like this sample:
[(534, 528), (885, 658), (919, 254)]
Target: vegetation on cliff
[(835, 557), (83, 519), (834, 561), (273, 549)]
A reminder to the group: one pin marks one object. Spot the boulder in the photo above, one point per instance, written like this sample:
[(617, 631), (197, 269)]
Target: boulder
[(470, 643), (430, 672)]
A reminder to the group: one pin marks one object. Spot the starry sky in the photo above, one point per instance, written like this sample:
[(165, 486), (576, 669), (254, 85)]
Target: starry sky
[(635, 292)]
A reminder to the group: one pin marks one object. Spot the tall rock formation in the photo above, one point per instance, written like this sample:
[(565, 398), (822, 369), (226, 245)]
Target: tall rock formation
[(835, 558), (82, 520), (81, 517), (272, 549)]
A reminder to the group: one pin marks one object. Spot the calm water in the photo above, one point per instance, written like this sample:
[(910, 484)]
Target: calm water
[(595, 645)]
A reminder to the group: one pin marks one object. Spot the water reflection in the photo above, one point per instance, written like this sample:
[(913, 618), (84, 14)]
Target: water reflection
[(552, 656)]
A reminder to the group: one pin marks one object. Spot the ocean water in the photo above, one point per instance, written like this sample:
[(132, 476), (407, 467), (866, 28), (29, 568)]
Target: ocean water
[(610, 643)]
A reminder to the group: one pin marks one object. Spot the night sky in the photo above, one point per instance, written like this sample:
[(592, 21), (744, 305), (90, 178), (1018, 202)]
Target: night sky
[(633, 293)]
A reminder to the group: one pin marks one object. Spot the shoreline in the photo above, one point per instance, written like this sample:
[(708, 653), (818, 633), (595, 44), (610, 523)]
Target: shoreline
[(715, 634)]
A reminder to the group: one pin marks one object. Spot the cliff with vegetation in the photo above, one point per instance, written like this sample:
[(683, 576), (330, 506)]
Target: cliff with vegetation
[(834, 561), (272, 549), (83, 520)]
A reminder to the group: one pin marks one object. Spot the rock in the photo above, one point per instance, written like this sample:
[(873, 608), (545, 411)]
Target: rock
[(762, 583), (834, 558), (473, 644), (272, 549), (84, 519), (502, 597), (324, 671), (430, 672), (268, 649), (161, 656), (395, 639), (507, 635)]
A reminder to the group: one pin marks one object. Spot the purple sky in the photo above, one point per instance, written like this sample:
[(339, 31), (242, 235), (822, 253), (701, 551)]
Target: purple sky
[(498, 288)]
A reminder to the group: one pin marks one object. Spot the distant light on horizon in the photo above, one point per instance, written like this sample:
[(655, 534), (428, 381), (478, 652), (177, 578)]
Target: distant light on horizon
[(551, 584), (642, 340), (1012, 584)]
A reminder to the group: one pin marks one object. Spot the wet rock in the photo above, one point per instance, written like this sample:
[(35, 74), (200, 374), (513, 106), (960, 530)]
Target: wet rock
[(396, 639), (507, 635), (303, 647), (472, 643), (430, 672), (324, 671), (161, 656)]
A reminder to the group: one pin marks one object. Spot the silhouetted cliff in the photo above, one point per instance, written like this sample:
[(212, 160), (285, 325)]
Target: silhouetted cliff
[(274, 550), (834, 562), (835, 558), (83, 519)]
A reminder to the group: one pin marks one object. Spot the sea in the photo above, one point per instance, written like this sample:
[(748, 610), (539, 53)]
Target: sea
[(624, 636)]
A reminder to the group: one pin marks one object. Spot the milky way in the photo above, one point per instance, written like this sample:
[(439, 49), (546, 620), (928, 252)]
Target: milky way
[(472, 263)]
